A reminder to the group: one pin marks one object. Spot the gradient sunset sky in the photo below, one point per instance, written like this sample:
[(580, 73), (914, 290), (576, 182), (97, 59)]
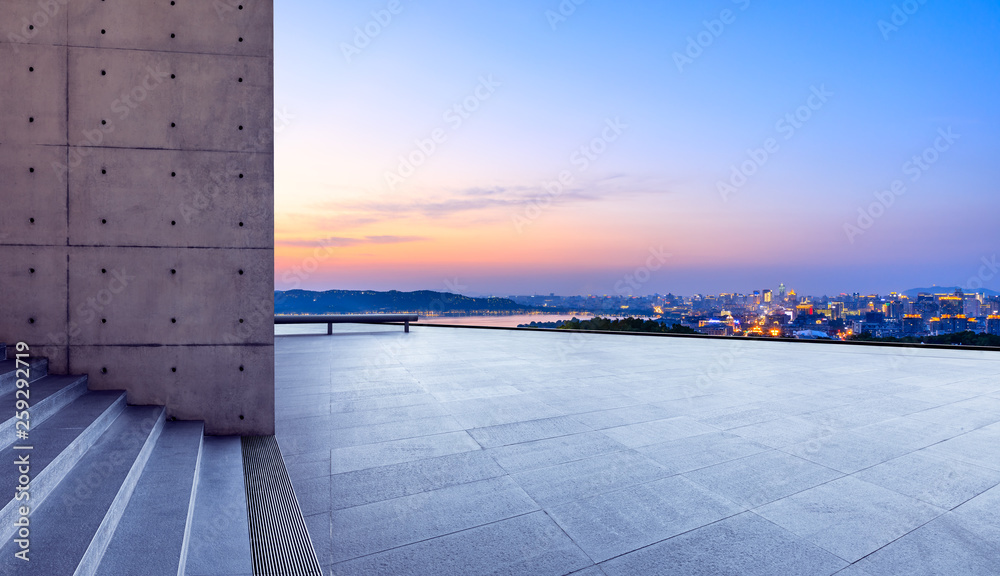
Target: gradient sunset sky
[(667, 99)]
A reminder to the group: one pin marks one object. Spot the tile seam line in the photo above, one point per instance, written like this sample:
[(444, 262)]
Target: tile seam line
[(481, 480), (571, 539), (69, 316), (750, 508), (548, 466), (616, 489), (688, 532), (119, 49), (434, 538), (136, 246), (157, 148), (389, 441), (807, 541), (461, 483), (914, 451)]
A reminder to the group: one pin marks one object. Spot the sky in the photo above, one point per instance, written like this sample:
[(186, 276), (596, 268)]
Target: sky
[(597, 147)]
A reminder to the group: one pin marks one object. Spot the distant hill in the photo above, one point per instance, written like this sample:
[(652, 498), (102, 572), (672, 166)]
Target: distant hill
[(949, 290), (392, 302)]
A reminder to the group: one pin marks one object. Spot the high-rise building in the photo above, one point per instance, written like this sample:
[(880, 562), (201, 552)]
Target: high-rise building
[(781, 292), (767, 296), (836, 310), (951, 305), (993, 324), (972, 305), (913, 324)]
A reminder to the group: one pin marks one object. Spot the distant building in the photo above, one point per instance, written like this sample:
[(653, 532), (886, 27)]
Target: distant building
[(913, 324), (951, 305), (972, 305), (950, 324), (836, 310), (993, 324)]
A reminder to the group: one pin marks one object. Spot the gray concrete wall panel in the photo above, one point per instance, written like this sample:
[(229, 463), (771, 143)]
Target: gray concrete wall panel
[(136, 182), (33, 305), (240, 27), (147, 296), (34, 22), (172, 198), (37, 75), (206, 375), (167, 100), (36, 213)]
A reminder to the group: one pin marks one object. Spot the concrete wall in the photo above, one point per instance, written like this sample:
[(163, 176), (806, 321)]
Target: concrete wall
[(136, 199)]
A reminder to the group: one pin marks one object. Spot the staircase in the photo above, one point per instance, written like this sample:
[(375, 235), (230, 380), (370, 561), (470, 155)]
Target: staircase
[(113, 489)]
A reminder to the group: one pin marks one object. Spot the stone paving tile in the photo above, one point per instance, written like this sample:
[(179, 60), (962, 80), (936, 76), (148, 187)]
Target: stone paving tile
[(398, 451), (942, 547), (584, 478), (552, 451), (481, 412), (848, 517), (847, 452), (965, 419), (380, 526), (387, 482), (385, 415), (618, 522), (696, 452), (382, 403), (743, 545), (943, 482), (344, 437), (740, 416), (980, 447), (782, 432), (980, 514), (658, 431), (762, 478), (528, 545), (526, 431)]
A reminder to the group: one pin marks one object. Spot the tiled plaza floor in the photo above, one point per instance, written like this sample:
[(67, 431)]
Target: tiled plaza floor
[(463, 452)]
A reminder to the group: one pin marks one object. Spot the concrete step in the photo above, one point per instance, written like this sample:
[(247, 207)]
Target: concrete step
[(152, 535), (11, 371), (71, 530), (56, 446), (220, 534), (44, 397)]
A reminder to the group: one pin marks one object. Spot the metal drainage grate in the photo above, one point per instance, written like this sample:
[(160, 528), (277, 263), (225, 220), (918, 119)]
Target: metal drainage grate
[(278, 535)]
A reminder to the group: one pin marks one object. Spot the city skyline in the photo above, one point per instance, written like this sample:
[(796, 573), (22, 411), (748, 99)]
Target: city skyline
[(529, 148)]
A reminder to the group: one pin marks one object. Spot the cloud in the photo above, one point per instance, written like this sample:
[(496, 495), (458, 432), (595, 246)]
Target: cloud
[(495, 199), (341, 242)]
